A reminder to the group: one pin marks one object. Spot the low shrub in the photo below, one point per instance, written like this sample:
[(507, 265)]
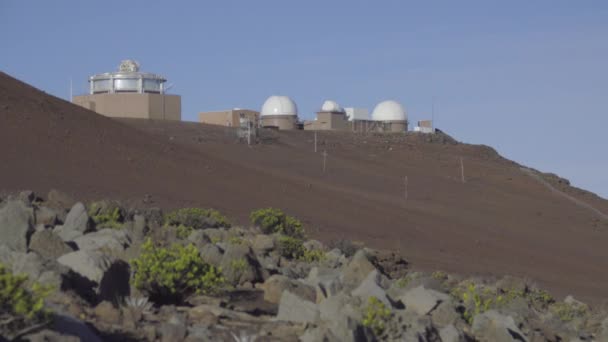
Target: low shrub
[(272, 220), (347, 247), (183, 232), (376, 315), (20, 307), (290, 247), (197, 218), (106, 214), (171, 275), (312, 255), (567, 312)]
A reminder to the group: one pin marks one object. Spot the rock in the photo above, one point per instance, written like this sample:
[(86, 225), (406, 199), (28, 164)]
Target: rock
[(77, 223), (422, 301), (370, 287), (16, 225), (389, 263), (174, 330), (110, 239), (27, 196), (493, 326), (275, 286), (314, 245), (292, 308), (326, 282), (49, 245), (319, 334), (356, 270), (216, 235), (109, 276), (47, 335), (341, 314), (211, 253), (46, 272), (263, 243), (71, 326), (201, 315), (59, 199), (239, 265), (45, 216), (445, 314), (198, 238), (199, 333), (107, 313), (334, 258), (450, 334), (140, 228)]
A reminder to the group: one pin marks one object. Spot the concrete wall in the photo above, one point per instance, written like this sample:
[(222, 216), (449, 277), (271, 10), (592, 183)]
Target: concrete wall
[(329, 121), (132, 105), (229, 118), (282, 122)]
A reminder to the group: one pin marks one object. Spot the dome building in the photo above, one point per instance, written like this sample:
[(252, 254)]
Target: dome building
[(279, 112), (330, 117), (391, 116)]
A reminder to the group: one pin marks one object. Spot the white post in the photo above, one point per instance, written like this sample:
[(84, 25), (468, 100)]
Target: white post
[(461, 169)]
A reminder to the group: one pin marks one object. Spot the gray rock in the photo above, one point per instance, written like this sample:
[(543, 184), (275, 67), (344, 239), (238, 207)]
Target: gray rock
[(450, 334), (216, 235), (140, 228), (326, 282), (334, 258), (77, 223), (320, 334), (493, 326), (46, 272), (47, 335), (445, 314), (16, 225), (198, 238), (603, 332), (342, 314), (422, 301), (275, 286), (263, 243), (49, 245), (370, 287), (111, 239), (211, 254), (239, 265), (45, 216), (356, 270), (27, 196), (173, 331), (59, 199), (292, 308)]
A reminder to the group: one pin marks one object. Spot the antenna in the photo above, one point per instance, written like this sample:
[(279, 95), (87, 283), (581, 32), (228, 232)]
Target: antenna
[(433, 113), (71, 91)]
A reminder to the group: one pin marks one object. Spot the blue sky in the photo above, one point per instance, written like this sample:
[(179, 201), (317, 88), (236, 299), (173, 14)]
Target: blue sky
[(529, 78)]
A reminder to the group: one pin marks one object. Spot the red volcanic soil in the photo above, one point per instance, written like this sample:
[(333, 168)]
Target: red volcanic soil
[(500, 221)]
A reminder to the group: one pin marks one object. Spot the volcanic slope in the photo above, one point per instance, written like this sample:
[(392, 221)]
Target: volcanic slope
[(499, 221)]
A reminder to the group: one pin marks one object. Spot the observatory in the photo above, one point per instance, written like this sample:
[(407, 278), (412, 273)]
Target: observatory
[(230, 118), (279, 112), (330, 117), (390, 116), (130, 93)]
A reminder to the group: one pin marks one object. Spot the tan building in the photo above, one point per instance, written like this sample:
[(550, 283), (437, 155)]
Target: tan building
[(230, 118), (331, 117), (129, 93)]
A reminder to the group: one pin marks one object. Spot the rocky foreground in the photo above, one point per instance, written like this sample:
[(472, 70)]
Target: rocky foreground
[(98, 271)]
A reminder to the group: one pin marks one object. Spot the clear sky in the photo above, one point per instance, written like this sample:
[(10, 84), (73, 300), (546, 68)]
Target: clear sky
[(529, 78)]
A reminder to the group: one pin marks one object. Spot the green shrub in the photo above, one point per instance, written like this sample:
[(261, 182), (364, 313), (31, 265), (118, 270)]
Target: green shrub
[(290, 247), (376, 315), (197, 218), (312, 255), (271, 220), (20, 306), (106, 214), (183, 232), (236, 240), (568, 312), (170, 275)]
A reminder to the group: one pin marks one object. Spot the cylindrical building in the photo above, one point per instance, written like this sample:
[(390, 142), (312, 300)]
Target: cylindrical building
[(391, 116), (279, 112)]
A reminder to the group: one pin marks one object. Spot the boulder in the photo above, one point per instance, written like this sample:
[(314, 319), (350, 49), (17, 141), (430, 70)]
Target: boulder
[(49, 245), (239, 265), (493, 326), (603, 332), (449, 333), (107, 313), (211, 253), (292, 308), (334, 258), (77, 223), (140, 228), (275, 286), (174, 329), (263, 243), (109, 277), (342, 315), (45, 216), (422, 301), (46, 272), (356, 270), (370, 287), (58, 199), (16, 225), (319, 334), (198, 238), (326, 282), (111, 239)]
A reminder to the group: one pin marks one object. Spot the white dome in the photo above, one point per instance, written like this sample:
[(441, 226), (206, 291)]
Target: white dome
[(389, 111), (279, 105), (331, 106)]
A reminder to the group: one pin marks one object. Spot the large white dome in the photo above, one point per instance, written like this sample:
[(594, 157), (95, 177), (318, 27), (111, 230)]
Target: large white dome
[(331, 106), (389, 111), (279, 105)]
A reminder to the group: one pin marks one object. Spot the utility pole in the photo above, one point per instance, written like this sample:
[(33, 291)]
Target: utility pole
[(315, 141), (249, 132), (461, 169), (324, 160)]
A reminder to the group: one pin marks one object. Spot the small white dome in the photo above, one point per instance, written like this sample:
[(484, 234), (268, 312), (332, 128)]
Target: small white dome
[(389, 111), (331, 106), (279, 105)]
